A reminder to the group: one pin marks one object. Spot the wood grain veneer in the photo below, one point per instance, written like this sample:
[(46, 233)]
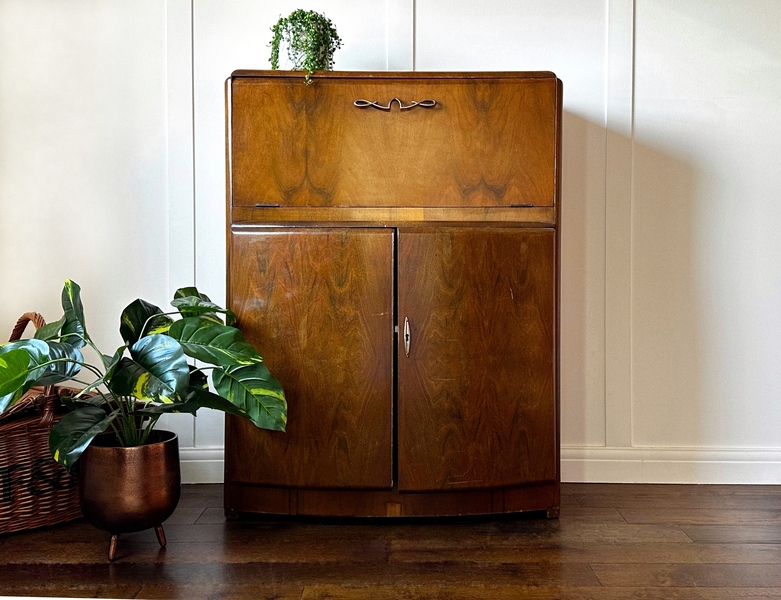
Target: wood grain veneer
[(318, 303), (343, 221), (487, 142), (477, 391)]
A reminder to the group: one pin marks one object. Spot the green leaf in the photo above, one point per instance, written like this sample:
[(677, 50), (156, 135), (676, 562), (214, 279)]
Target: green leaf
[(71, 435), (215, 344), (135, 317), (73, 403), (111, 362), (14, 371), (10, 399), (196, 398), (36, 370), (36, 352), (190, 291), (206, 399), (198, 379), (191, 303), (67, 366), (255, 391), (198, 382), (74, 328), (158, 371), (50, 331), (161, 409)]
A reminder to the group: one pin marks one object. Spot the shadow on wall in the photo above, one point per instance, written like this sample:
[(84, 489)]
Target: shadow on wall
[(668, 300), (665, 300)]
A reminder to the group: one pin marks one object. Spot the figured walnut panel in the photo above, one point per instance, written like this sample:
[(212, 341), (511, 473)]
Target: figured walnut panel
[(477, 393), (318, 305), (488, 142)]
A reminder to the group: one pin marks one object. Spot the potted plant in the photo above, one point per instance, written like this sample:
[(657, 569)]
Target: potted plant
[(310, 39), (111, 421)]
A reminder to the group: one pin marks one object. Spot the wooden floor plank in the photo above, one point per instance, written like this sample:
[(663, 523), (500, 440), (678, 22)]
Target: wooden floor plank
[(690, 500), (689, 575), (594, 515), (309, 573), (734, 534), (569, 501), (669, 489), (477, 592), (646, 542), (223, 591), (696, 516), (641, 553)]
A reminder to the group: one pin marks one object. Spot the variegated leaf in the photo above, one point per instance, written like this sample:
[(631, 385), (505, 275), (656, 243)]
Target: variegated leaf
[(191, 303), (50, 331), (141, 318), (255, 391), (158, 370), (74, 329), (213, 344), (14, 373), (71, 435)]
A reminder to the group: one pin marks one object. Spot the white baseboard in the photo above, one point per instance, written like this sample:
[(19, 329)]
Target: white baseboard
[(671, 465), (595, 465), (202, 465)]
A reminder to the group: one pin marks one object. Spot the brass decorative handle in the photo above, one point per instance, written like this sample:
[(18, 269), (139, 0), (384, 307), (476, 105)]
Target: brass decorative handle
[(406, 336), (369, 103)]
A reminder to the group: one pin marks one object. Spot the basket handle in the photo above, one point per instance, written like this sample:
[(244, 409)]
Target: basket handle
[(50, 392), (21, 324)]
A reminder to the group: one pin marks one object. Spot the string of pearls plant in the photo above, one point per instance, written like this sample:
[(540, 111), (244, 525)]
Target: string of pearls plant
[(311, 41)]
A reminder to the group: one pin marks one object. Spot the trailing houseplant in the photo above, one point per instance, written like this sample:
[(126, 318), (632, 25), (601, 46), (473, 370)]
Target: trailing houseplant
[(310, 38), (147, 376)]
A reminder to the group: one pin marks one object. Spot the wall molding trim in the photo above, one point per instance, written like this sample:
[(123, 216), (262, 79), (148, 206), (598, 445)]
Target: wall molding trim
[(400, 35), (596, 465), (202, 465), (671, 465)]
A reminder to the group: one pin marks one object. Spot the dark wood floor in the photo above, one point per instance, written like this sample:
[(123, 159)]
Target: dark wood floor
[(612, 541)]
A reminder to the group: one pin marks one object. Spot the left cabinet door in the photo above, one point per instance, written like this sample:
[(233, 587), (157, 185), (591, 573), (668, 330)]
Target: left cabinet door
[(318, 304)]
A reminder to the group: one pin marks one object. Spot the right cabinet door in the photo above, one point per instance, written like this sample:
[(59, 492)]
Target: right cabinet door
[(476, 388)]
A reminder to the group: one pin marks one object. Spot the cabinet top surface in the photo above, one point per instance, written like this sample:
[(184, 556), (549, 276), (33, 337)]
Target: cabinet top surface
[(399, 74)]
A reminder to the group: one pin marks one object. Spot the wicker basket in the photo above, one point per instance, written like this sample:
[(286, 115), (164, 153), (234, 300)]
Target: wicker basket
[(35, 491)]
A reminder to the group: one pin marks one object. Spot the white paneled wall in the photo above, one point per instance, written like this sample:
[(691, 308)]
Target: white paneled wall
[(706, 253), (113, 113), (82, 158)]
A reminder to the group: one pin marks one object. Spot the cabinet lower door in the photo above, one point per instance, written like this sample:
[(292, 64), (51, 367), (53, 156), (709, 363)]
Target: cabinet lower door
[(318, 304), (477, 388)]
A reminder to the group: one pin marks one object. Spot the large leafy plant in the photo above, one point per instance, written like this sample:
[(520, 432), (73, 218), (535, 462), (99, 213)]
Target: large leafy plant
[(147, 376)]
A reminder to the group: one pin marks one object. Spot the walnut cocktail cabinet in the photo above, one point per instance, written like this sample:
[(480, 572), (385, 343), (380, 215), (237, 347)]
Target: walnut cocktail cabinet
[(393, 251)]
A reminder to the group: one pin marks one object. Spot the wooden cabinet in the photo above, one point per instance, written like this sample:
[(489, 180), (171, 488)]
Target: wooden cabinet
[(398, 270)]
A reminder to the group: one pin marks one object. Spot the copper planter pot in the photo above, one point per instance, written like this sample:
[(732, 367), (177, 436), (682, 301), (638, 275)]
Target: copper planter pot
[(130, 489)]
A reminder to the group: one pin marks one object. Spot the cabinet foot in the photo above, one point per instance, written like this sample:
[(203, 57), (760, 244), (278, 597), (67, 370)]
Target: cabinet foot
[(552, 512)]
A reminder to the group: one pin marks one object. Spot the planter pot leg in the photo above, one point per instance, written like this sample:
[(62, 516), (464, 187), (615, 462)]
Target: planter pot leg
[(112, 546), (160, 535)]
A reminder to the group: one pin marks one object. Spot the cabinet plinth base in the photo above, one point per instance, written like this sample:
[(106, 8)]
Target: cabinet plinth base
[(249, 498)]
